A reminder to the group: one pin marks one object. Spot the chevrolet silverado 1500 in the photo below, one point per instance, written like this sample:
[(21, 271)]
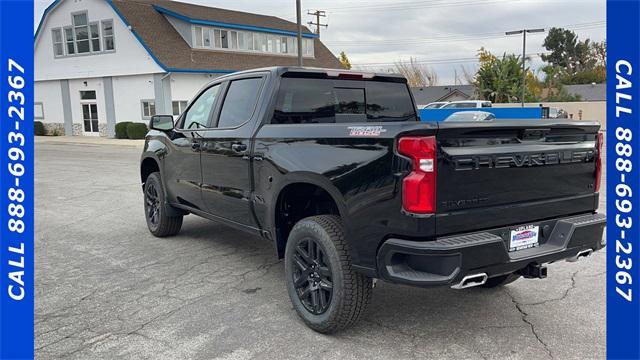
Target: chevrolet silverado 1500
[(337, 170)]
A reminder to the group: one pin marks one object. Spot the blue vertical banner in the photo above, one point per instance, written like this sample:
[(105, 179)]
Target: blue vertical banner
[(623, 180), (16, 180)]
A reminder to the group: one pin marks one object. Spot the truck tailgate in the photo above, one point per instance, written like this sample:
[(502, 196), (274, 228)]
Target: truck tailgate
[(503, 173)]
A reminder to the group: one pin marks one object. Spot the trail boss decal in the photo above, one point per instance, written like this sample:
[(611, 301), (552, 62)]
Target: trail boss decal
[(366, 130)]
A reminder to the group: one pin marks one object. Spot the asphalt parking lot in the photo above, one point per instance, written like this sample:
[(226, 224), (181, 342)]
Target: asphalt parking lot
[(106, 288)]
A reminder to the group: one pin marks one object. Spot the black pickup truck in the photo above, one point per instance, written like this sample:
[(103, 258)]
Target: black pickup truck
[(337, 170)]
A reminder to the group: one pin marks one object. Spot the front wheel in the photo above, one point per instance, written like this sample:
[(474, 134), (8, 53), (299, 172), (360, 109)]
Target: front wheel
[(325, 290), (158, 221)]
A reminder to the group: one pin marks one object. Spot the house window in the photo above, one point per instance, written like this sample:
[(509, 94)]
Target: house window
[(68, 36), (242, 40), (81, 32), (224, 35), (148, 109), (307, 47), (206, 38), (107, 35), (95, 36), (178, 107), (38, 111), (249, 41), (83, 37), (217, 42), (58, 46), (88, 95), (234, 40), (198, 36)]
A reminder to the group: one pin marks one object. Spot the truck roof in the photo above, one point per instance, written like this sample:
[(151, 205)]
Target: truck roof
[(325, 72)]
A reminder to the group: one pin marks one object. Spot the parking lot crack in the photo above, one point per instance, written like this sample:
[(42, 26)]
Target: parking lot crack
[(524, 316)]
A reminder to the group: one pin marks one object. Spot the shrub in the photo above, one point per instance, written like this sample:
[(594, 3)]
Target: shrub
[(38, 128), (121, 130), (137, 130)]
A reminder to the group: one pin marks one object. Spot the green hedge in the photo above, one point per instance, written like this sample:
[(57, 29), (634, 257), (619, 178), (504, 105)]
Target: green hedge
[(38, 128), (137, 131), (121, 130)]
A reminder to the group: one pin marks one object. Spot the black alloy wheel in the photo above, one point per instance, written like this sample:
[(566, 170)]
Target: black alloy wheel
[(160, 221), (323, 287), (312, 276), (152, 204)]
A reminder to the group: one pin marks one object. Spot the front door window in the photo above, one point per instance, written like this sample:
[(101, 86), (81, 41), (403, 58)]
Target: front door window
[(89, 112), (90, 117)]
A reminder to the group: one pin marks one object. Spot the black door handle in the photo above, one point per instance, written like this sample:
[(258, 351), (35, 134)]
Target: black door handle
[(195, 146), (239, 148)]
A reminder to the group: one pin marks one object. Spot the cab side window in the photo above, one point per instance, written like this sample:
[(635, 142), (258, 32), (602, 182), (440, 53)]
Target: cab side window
[(240, 102), (199, 113)]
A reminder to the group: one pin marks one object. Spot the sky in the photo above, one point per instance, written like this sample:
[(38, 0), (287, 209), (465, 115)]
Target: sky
[(443, 35)]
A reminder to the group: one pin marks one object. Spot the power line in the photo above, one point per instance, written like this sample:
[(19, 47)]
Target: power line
[(411, 5), (453, 37), (438, 61)]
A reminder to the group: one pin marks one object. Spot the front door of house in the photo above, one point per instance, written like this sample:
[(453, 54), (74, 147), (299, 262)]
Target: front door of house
[(89, 112)]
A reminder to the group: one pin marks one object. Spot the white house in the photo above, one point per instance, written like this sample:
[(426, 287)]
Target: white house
[(99, 62)]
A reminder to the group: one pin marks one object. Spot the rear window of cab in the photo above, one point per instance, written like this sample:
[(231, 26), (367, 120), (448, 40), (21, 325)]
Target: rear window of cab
[(309, 101)]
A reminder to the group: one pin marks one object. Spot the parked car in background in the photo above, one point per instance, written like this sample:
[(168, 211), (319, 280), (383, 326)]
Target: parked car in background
[(435, 105), (555, 113), (471, 116), (466, 104)]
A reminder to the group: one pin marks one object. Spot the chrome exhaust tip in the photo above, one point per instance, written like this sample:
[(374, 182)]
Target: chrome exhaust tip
[(581, 255), (471, 281)]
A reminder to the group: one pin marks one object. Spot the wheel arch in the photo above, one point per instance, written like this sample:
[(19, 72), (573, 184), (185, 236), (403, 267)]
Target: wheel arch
[(148, 166), (301, 195)]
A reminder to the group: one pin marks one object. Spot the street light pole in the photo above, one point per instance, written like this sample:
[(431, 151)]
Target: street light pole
[(299, 20), (524, 54)]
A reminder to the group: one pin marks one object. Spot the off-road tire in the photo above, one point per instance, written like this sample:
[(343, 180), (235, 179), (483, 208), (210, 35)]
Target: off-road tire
[(160, 225), (351, 291)]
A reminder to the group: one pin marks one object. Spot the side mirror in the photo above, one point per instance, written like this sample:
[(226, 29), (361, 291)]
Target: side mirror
[(161, 122)]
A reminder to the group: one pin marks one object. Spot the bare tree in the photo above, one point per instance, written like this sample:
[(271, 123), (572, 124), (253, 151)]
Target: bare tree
[(418, 75), (468, 75)]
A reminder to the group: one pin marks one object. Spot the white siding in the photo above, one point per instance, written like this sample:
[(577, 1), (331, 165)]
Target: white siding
[(186, 86), (127, 93), (49, 94), (129, 57)]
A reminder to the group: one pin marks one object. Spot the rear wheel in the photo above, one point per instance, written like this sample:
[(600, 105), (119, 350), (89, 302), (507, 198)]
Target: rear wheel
[(501, 280), (325, 290), (158, 221)]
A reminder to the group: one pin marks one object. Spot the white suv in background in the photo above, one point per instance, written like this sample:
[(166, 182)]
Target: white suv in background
[(466, 104)]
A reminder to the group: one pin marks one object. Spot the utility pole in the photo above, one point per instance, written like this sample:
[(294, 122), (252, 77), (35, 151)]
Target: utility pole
[(524, 47), (318, 14), (299, 21)]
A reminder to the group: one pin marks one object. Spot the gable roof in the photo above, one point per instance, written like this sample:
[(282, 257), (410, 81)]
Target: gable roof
[(429, 94), (147, 22), (588, 92), (204, 15)]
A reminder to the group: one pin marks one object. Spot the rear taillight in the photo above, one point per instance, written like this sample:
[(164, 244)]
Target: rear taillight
[(599, 141), (419, 187)]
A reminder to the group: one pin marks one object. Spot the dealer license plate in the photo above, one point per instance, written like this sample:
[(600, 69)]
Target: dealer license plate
[(524, 237)]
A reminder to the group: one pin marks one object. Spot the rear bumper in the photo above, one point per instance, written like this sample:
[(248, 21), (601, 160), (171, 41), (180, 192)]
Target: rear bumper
[(447, 260)]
